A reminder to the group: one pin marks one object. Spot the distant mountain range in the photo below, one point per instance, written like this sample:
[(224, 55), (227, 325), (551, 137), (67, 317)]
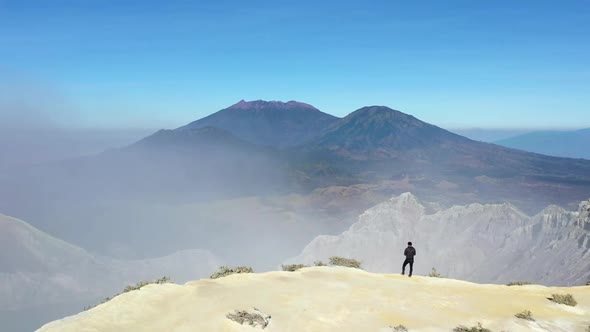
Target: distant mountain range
[(261, 147), (571, 144), (146, 199), (490, 243), (376, 143)]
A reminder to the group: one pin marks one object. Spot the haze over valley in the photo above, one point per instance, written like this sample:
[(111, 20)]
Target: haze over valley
[(177, 142), (201, 195)]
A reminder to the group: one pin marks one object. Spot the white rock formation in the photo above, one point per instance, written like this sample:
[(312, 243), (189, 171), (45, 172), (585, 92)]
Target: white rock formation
[(483, 243)]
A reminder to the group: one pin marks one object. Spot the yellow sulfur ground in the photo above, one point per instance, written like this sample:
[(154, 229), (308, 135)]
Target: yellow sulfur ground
[(333, 299)]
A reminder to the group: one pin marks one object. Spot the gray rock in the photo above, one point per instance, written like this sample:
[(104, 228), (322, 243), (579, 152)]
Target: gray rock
[(494, 243)]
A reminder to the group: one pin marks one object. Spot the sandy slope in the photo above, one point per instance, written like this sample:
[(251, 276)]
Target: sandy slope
[(333, 299)]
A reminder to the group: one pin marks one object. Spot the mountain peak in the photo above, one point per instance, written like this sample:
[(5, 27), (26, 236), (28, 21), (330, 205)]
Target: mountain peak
[(274, 104), (270, 123), (382, 115), (406, 198), (379, 132), (375, 109)]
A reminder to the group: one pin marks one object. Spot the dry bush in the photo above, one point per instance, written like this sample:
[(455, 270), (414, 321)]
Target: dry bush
[(567, 299), (348, 262), (224, 271), (319, 263), (434, 274), (163, 280), (527, 314), (519, 283), (399, 328), (478, 328), (254, 319), (292, 267)]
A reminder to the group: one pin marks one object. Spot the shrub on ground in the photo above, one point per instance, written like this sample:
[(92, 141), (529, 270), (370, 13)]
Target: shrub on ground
[(348, 262), (292, 267), (519, 283), (525, 315), (399, 328), (163, 280), (567, 299), (224, 271), (478, 328), (434, 274), (254, 319)]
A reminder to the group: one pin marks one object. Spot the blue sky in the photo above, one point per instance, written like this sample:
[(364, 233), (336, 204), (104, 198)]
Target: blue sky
[(489, 64)]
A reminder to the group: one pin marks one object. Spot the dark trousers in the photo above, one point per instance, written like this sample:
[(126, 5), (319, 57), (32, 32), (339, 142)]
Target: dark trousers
[(406, 262)]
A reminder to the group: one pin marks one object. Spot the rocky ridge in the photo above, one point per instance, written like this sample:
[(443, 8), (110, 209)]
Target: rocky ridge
[(494, 243)]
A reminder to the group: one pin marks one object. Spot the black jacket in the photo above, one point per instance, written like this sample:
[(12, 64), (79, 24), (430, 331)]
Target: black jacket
[(410, 252)]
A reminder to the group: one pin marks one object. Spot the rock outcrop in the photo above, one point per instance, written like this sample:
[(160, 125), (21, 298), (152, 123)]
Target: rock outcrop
[(482, 243)]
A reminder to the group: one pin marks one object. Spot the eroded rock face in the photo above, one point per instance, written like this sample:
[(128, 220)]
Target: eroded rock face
[(483, 243), (584, 215), (583, 222)]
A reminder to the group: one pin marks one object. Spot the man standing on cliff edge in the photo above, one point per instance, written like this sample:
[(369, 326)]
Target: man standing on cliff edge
[(410, 252)]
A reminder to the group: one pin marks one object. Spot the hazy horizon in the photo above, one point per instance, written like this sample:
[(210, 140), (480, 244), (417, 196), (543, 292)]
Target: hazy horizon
[(25, 126), (26, 123)]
